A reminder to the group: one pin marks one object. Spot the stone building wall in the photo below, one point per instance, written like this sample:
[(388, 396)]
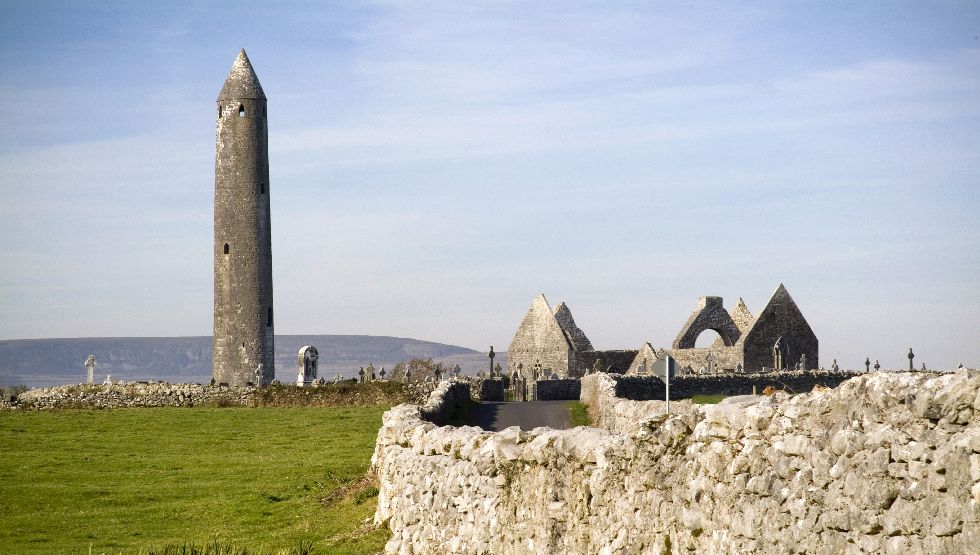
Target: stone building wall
[(612, 361), (726, 359), (885, 463)]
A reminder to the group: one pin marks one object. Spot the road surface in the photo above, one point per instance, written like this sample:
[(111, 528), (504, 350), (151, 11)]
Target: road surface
[(532, 414)]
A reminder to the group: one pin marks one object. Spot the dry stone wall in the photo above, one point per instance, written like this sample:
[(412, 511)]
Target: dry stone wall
[(133, 394), (885, 463), (557, 390), (642, 388)]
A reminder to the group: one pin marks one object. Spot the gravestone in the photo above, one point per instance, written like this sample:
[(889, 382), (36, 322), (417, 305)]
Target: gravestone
[(308, 360), (834, 366), (361, 374), (911, 356)]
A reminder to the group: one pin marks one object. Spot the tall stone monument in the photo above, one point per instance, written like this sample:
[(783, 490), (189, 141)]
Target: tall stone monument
[(244, 336)]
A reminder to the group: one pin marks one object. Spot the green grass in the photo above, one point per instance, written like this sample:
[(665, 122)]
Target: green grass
[(580, 414), (131, 480), (707, 399)]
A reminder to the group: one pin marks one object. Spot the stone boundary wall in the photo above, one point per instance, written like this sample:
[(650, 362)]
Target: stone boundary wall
[(642, 388), (444, 400), (885, 463), (132, 394), (488, 390), (609, 411), (124, 394), (558, 390)]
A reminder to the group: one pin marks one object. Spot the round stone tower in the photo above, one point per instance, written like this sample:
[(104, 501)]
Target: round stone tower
[(244, 338)]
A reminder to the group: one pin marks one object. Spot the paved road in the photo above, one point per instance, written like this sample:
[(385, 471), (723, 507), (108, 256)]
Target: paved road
[(532, 414)]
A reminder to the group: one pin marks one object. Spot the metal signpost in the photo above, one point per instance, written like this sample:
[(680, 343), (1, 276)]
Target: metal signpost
[(664, 369)]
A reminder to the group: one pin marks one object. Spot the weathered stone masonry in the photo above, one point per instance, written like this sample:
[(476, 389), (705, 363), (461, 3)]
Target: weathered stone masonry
[(244, 334), (885, 463)]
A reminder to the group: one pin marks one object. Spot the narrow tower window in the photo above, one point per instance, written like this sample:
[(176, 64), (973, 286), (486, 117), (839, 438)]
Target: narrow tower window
[(262, 188), (264, 114), (219, 110), (241, 111), (269, 320), (226, 248)]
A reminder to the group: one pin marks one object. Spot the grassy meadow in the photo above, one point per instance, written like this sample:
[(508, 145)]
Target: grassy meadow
[(137, 480)]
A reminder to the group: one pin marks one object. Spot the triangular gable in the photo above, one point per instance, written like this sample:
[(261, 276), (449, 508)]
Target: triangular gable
[(710, 315), (743, 321), (576, 337), (540, 325), (645, 357), (781, 306)]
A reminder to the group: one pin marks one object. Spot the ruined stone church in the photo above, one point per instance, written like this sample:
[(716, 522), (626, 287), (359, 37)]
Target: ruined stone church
[(548, 340)]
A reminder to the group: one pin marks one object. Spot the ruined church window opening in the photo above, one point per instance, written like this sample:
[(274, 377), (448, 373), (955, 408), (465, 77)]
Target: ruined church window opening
[(707, 338), (241, 111), (779, 354), (227, 249)]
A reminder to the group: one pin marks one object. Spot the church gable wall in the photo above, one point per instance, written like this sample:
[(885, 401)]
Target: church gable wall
[(780, 319), (539, 339), (710, 315)]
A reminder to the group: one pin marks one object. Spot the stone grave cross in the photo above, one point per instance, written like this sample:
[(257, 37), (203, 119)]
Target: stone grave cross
[(90, 364)]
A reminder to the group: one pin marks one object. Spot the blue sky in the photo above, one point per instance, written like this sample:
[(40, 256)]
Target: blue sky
[(436, 165)]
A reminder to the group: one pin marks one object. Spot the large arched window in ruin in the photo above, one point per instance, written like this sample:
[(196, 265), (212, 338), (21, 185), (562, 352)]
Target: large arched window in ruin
[(241, 111), (709, 338)]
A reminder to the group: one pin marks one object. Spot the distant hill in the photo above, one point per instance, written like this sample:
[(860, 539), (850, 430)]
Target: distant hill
[(47, 362)]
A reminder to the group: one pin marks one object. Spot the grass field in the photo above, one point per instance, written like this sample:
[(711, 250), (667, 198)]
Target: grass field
[(579, 414), (135, 480), (707, 399)]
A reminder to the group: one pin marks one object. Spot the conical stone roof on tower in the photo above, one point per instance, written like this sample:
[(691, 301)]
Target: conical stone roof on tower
[(242, 81)]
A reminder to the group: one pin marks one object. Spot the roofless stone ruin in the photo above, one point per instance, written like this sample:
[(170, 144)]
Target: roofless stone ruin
[(778, 338)]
